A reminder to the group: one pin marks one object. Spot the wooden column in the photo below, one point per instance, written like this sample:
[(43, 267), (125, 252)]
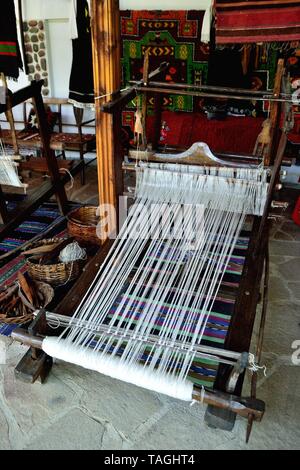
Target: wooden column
[(3, 208), (275, 114), (107, 79)]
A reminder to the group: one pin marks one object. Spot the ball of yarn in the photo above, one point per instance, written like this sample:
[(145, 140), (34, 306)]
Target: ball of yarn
[(72, 252)]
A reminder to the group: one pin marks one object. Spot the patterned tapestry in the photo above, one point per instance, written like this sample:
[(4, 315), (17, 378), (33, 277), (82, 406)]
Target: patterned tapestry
[(171, 36)]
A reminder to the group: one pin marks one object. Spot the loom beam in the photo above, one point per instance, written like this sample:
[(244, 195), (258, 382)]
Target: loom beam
[(37, 364)]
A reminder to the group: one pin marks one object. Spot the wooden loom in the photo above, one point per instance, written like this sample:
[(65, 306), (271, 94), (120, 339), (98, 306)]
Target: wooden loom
[(56, 183), (224, 401)]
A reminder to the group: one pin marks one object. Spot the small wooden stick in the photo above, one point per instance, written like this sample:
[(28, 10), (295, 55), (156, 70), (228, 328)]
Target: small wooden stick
[(25, 287)]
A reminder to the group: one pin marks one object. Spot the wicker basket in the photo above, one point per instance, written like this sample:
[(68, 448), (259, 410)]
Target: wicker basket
[(82, 224), (48, 294), (55, 274)]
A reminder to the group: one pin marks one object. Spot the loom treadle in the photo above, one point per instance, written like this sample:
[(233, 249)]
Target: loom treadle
[(29, 369), (219, 418)]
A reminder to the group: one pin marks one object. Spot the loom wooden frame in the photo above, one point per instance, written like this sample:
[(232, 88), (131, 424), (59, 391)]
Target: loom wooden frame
[(56, 183), (111, 186), (242, 319)]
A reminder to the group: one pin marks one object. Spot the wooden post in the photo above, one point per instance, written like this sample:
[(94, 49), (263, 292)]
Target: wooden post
[(3, 208), (49, 153), (105, 22), (275, 113)]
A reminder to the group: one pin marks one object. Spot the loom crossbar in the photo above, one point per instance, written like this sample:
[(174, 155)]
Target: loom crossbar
[(242, 406), (215, 354)]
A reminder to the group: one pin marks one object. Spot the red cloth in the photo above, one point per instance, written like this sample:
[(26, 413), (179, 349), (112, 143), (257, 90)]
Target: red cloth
[(234, 134), (255, 22), (296, 213)]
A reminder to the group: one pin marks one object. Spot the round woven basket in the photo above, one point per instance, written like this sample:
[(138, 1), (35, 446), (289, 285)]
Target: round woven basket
[(48, 294), (82, 224), (55, 274)]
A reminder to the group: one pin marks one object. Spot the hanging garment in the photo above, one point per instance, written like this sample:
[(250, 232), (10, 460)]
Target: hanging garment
[(10, 56), (81, 85), (225, 69)]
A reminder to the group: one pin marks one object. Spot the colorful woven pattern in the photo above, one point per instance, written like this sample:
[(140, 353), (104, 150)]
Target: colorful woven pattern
[(203, 372), (36, 223), (171, 36)]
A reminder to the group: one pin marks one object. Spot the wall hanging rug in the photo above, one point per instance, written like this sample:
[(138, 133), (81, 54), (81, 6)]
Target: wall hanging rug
[(10, 56), (171, 36), (81, 84), (257, 21)]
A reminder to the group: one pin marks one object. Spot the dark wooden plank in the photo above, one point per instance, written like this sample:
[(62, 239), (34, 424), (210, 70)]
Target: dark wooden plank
[(241, 325), (79, 289), (4, 216), (242, 321), (48, 153), (22, 95)]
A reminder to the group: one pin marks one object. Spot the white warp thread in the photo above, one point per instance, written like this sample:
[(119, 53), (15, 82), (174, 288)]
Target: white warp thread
[(113, 367), (164, 264)]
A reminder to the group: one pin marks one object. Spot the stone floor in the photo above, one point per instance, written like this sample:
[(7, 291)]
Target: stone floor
[(79, 409)]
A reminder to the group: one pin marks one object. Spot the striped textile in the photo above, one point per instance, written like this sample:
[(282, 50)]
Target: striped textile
[(36, 223), (203, 371), (257, 21)]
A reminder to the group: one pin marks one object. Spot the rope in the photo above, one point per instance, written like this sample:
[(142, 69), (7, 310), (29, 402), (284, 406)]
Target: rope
[(254, 367)]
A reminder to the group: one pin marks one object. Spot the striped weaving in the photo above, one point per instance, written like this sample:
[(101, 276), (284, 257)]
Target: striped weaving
[(257, 21), (203, 371)]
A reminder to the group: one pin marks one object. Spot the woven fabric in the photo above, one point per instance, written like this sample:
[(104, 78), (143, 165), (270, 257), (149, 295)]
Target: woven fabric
[(258, 21), (233, 134), (171, 36), (203, 371), (35, 224)]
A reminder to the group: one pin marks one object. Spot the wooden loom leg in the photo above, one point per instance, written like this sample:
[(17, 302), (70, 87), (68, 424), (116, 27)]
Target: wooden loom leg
[(3, 209), (49, 153), (239, 334), (78, 114), (35, 363)]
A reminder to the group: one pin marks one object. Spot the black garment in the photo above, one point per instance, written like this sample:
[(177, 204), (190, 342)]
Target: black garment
[(225, 70), (10, 56), (81, 85)]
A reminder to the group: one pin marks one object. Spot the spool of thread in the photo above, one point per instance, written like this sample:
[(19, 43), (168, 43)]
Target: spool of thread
[(72, 252)]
